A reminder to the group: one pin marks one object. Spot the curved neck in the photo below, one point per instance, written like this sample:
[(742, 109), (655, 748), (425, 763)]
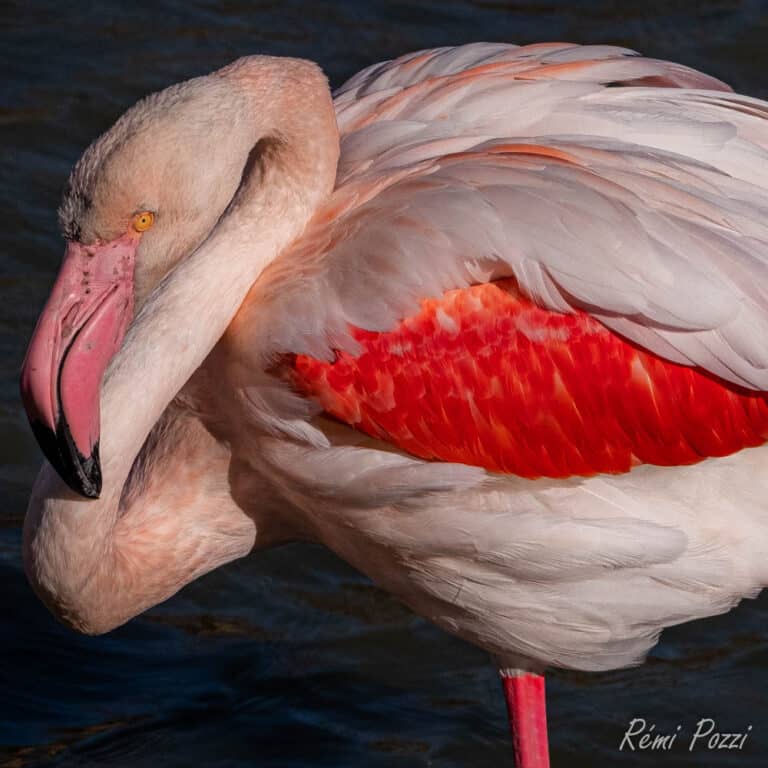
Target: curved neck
[(72, 543), (290, 170)]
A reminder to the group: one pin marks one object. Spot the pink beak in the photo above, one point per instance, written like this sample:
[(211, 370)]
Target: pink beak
[(81, 328)]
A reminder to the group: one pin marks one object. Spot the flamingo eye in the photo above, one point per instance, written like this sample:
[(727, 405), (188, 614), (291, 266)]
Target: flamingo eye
[(143, 221)]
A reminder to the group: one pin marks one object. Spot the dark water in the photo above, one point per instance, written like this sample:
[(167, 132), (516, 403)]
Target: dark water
[(291, 658)]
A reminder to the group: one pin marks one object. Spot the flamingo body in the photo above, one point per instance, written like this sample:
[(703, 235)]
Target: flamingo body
[(621, 197)]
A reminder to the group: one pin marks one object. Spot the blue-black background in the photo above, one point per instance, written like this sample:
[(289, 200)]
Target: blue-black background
[(291, 658)]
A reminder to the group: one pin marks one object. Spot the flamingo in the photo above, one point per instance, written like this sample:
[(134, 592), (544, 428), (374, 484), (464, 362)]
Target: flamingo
[(489, 323)]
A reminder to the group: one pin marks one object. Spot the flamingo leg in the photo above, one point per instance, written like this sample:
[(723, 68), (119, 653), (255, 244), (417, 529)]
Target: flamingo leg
[(527, 709)]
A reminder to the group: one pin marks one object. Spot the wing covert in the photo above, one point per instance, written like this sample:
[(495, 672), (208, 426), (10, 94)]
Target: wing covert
[(484, 377), (557, 167)]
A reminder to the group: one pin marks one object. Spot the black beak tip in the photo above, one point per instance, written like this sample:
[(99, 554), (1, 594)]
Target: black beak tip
[(81, 473)]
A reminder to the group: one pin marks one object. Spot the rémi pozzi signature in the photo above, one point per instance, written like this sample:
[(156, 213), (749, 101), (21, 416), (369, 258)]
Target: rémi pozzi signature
[(642, 735)]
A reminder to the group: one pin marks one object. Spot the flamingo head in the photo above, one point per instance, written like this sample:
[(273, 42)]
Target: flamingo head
[(142, 196)]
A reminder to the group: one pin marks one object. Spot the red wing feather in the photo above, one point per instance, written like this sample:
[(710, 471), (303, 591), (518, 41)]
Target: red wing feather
[(484, 376)]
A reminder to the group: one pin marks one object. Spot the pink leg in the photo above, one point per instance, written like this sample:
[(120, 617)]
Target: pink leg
[(526, 705)]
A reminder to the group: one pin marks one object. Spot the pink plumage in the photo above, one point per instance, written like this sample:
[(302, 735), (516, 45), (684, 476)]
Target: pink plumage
[(533, 277)]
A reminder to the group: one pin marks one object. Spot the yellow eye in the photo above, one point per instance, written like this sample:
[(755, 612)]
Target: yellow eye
[(143, 221)]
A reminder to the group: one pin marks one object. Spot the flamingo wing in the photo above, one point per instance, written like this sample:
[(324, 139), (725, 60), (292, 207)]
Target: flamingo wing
[(547, 260)]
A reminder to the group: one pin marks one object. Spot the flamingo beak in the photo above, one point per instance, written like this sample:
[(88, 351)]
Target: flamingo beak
[(81, 328)]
